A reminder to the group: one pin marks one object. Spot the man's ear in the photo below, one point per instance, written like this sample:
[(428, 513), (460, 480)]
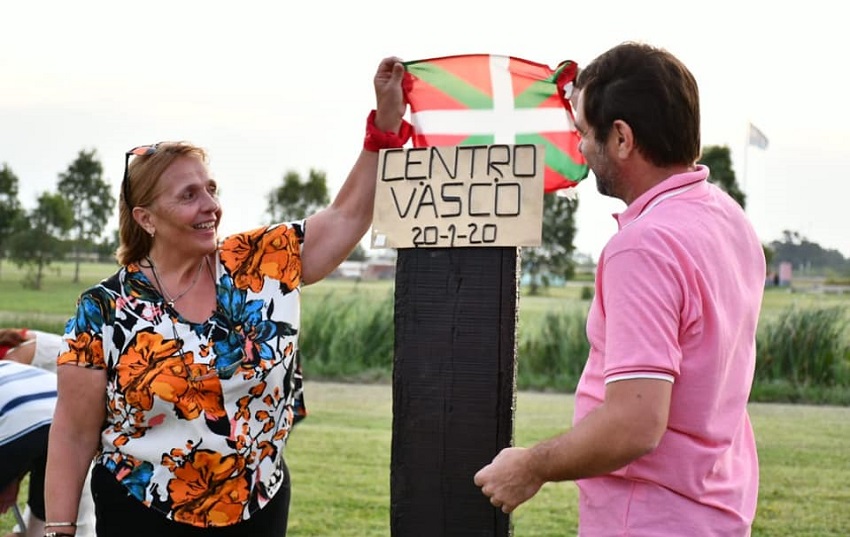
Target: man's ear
[(624, 138)]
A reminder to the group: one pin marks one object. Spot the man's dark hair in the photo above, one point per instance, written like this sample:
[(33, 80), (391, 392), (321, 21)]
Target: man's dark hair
[(652, 91)]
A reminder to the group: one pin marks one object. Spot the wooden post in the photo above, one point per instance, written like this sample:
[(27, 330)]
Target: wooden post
[(456, 216), (453, 387)]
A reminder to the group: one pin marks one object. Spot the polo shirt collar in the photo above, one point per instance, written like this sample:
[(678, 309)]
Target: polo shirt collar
[(667, 186)]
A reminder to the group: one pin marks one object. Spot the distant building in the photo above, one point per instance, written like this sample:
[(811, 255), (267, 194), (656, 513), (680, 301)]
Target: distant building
[(784, 274), (381, 267), (378, 269), (349, 270)]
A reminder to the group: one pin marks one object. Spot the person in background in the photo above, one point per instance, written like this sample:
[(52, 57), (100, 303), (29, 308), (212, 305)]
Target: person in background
[(661, 442), (28, 346), (27, 402), (179, 373)]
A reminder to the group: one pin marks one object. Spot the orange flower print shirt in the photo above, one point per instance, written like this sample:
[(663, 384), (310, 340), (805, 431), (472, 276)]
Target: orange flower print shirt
[(197, 414)]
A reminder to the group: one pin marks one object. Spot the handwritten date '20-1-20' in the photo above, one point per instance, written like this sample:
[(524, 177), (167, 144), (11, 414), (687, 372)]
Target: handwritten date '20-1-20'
[(474, 234)]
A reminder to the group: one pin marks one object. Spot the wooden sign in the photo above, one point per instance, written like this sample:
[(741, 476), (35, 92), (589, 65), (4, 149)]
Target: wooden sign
[(459, 196)]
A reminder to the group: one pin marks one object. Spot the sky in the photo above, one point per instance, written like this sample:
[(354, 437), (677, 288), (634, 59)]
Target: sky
[(270, 86)]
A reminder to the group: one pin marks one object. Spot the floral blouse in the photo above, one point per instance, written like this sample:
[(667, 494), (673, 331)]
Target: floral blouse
[(197, 414)]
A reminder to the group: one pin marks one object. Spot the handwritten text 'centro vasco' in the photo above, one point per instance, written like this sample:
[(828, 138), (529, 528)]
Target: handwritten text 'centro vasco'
[(487, 177)]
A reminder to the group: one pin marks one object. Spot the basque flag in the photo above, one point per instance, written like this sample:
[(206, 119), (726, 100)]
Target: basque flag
[(483, 99)]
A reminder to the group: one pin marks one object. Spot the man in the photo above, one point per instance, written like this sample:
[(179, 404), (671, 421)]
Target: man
[(31, 347), (661, 442)]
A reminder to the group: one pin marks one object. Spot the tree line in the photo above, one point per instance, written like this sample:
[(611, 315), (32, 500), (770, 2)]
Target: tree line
[(807, 256), (69, 218)]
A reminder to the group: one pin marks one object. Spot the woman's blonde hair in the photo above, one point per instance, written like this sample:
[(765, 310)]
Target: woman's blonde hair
[(143, 174)]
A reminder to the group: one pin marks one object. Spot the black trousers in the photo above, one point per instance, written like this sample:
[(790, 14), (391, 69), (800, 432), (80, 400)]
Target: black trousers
[(121, 515), (27, 455)]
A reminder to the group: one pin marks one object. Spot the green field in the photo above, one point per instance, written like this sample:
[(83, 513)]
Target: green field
[(339, 457), (55, 302)]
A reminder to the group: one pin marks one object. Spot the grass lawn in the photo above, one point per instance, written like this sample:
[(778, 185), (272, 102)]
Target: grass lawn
[(339, 458)]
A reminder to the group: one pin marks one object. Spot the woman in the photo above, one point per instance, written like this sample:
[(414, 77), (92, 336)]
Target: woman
[(189, 382)]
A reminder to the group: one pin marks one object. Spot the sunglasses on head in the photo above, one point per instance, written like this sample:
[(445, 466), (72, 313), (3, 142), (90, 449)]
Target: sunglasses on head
[(142, 150)]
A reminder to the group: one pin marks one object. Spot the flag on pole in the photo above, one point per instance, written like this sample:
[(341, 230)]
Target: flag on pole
[(757, 138), (482, 99)]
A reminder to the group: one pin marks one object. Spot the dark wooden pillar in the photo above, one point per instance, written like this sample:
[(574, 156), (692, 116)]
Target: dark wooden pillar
[(453, 387)]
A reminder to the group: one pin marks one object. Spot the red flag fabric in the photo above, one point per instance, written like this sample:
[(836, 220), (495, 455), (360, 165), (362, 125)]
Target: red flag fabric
[(482, 99)]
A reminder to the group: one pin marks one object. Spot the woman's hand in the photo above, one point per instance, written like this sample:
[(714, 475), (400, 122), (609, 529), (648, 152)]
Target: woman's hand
[(389, 95)]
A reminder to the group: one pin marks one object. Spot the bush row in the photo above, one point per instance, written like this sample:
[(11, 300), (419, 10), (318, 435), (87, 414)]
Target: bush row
[(803, 354)]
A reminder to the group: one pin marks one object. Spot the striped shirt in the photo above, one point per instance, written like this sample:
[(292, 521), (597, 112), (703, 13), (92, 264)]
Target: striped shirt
[(27, 399)]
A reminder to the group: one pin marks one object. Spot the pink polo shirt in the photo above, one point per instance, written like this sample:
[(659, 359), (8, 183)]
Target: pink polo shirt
[(678, 294)]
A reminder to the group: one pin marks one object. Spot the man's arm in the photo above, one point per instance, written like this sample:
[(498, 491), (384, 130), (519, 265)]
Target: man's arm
[(628, 424)]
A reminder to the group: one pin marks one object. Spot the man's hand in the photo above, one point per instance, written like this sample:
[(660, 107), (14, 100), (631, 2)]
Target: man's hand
[(509, 480)]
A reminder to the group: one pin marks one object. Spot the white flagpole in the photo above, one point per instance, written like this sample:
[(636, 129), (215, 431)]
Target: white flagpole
[(746, 183), (756, 207)]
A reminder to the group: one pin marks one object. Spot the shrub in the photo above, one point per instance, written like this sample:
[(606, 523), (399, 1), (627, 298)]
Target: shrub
[(348, 336), (805, 347), (553, 355)]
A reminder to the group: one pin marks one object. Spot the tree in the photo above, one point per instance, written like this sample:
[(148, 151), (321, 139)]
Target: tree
[(294, 199), (802, 253), (107, 246), (769, 256), (42, 241), (719, 162), (89, 195), (553, 258), (11, 213)]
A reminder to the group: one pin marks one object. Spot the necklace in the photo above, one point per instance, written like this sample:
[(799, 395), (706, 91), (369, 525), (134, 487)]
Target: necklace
[(168, 298)]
